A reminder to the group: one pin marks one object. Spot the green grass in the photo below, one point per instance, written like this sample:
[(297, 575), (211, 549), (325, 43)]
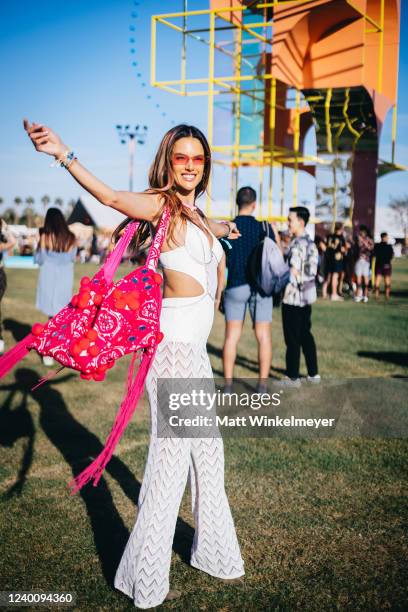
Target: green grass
[(321, 523)]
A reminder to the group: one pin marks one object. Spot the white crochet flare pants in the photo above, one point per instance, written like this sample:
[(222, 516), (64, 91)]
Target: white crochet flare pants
[(143, 573)]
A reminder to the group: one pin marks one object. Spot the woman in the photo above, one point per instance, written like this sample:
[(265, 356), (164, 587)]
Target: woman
[(7, 241), (336, 248), (190, 257), (364, 246), (55, 255)]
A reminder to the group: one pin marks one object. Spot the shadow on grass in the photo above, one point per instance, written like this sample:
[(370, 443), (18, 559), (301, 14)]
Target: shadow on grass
[(399, 293), (398, 358), (19, 330), (79, 447), (15, 424)]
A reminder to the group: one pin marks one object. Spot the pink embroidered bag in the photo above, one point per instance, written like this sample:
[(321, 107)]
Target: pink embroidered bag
[(102, 323)]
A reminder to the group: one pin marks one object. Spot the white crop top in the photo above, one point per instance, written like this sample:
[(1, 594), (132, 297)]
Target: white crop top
[(196, 258)]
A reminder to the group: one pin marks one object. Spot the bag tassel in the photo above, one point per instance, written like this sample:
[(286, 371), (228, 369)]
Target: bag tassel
[(15, 354), (134, 390)]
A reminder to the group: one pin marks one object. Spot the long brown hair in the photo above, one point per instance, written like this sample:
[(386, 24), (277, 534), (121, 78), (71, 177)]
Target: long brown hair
[(57, 232), (161, 181)]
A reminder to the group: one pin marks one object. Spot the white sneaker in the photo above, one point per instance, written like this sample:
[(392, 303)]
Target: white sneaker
[(48, 361), (315, 380), (365, 299), (358, 298), (2, 346), (337, 298), (294, 383)]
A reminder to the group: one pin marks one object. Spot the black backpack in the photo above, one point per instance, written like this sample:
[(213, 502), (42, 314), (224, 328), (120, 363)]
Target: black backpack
[(254, 264)]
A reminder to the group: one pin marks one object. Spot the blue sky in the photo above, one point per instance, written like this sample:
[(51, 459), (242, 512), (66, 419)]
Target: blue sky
[(69, 65)]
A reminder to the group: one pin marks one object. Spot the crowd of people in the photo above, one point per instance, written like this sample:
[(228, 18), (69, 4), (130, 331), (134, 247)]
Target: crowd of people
[(341, 266), (336, 265), (346, 264)]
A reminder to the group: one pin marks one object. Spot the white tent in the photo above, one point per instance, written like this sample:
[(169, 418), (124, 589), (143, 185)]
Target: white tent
[(103, 217)]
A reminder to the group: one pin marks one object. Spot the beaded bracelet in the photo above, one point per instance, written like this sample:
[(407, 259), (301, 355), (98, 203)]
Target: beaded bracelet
[(69, 157)]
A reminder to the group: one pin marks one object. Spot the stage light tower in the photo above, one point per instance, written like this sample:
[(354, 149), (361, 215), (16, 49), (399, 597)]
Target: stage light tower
[(130, 135)]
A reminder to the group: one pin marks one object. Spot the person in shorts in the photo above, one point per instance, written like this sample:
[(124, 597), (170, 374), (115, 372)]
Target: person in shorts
[(383, 253), (240, 296), (364, 249)]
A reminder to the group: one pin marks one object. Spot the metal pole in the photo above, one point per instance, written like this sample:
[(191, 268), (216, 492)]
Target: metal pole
[(153, 52), (128, 134), (381, 49), (296, 141), (272, 120), (131, 145), (236, 179), (183, 49), (232, 196), (261, 179), (334, 193), (282, 190), (210, 102), (327, 102)]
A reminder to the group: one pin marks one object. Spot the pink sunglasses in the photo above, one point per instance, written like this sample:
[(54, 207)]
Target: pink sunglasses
[(179, 159)]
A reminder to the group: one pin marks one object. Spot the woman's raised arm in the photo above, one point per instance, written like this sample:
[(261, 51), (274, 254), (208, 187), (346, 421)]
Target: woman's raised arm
[(137, 205)]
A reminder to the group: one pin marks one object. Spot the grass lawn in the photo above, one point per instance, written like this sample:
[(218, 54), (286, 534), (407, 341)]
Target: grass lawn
[(321, 523)]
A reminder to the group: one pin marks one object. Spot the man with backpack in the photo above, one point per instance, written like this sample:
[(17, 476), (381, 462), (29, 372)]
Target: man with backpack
[(241, 292), (299, 295)]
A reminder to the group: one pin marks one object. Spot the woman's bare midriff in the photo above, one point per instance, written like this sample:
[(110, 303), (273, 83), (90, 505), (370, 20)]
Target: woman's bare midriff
[(178, 284)]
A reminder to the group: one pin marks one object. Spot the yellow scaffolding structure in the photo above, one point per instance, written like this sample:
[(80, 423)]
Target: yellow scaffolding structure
[(236, 154)]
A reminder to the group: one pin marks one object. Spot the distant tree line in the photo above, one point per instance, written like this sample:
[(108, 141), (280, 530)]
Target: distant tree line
[(22, 210)]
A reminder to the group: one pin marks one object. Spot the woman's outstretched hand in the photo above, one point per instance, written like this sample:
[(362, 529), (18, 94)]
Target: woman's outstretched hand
[(44, 139)]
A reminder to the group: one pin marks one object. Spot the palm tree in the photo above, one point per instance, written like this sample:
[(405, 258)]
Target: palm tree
[(9, 216), (59, 202), (29, 210), (45, 200), (28, 216), (17, 202)]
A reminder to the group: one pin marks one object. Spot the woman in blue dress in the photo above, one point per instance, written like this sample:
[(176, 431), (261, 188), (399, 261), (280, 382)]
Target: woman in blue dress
[(55, 255)]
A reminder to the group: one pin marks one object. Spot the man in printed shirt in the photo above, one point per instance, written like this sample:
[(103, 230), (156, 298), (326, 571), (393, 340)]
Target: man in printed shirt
[(300, 293)]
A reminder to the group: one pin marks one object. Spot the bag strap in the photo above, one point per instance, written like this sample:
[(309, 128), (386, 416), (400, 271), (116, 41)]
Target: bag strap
[(155, 248), (263, 230), (115, 256)]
